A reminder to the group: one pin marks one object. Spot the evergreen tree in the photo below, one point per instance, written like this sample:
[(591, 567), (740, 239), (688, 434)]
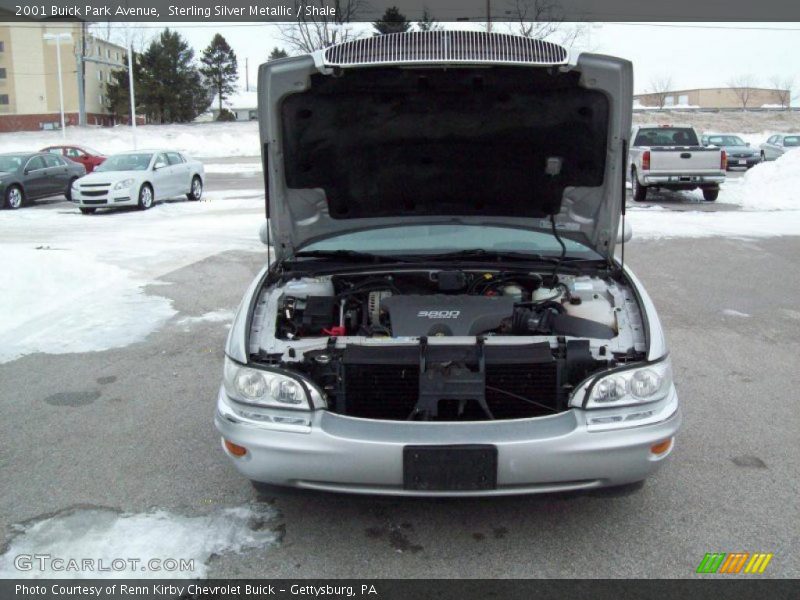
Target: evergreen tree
[(117, 91), (392, 21), (220, 69), (168, 86), (277, 53)]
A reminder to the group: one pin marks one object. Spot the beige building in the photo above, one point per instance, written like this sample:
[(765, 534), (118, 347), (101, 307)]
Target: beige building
[(29, 98), (717, 98)]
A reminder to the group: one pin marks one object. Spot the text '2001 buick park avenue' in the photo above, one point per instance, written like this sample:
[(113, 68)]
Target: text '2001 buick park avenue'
[(445, 314)]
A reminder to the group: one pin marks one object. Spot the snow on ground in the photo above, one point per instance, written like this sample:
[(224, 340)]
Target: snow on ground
[(242, 168), (215, 316), (75, 283), (773, 185), (105, 535), (208, 140), (647, 224)]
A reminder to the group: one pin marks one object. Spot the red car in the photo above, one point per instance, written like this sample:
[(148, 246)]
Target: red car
[(80, 154)]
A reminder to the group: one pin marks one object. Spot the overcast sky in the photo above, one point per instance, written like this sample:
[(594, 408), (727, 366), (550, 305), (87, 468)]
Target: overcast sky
[(692, 54)]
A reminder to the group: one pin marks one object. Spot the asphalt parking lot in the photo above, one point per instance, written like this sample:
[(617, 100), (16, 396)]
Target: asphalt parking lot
[(131, 429)]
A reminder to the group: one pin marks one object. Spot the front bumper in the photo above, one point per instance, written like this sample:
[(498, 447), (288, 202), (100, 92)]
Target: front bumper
[(122, 197), (343, 454)]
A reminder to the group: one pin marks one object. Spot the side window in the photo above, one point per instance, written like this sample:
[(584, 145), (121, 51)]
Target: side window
[(74, 153), (34, 164), (773, 139), (174, 158), (161, 161), (51, 160), (54, 150)]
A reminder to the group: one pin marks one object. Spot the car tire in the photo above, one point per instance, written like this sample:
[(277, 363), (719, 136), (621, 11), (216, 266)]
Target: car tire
[(146, 197), (638, 191), (87, 211), (710, 195), (68, 193), (763, 156), (196, 191), (14, 197)]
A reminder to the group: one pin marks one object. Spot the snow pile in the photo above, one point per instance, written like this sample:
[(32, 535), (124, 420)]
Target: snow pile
[(771, 185), (205, 140), (649, 225), (114, 538), (75, 283), (60, 301)]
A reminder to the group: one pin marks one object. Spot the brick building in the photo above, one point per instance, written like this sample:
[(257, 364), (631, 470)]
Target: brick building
[(29, 98), (717, 98)]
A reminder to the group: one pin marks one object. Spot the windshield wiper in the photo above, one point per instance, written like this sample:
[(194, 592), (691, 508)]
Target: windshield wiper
[(346, 255), (495, 255)]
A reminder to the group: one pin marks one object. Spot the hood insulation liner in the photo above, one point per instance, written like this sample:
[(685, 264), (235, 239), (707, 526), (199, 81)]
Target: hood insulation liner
[(500, 141)]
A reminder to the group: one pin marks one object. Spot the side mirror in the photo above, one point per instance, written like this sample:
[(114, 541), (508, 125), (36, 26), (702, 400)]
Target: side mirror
[(747, 144), (628, 234), (263, 232), (26, 172)]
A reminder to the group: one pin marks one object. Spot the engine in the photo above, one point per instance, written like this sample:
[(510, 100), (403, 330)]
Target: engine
[(442, 315), (445, 303)]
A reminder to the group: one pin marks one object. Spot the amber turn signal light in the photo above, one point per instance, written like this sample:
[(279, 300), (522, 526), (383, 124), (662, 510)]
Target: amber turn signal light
[(235, 449), (661, 447)]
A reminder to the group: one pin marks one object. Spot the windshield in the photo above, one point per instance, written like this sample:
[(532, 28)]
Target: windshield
[(440, 239), (126, 162), (666, 136), (791, 140), (11, 163), (725, 140)]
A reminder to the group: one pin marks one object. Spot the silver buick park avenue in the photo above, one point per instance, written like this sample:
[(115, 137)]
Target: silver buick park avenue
[(445, 314)]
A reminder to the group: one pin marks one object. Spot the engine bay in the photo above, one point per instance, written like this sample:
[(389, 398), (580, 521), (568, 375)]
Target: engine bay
[(440, 344), (445, 303)]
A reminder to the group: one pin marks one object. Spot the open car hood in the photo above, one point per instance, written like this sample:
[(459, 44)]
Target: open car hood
[(444, 127)]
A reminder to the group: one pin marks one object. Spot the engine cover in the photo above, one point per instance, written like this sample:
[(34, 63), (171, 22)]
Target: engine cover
[(440, 314)]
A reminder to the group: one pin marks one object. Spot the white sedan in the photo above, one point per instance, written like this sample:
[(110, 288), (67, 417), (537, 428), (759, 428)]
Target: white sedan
[(139, 178)]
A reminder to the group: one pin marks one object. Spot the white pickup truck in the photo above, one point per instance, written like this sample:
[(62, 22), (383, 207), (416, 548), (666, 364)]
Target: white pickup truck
[(671, 157)]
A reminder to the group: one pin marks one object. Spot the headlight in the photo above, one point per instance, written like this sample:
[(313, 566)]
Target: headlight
[(627, 387), (263, 388), (125, 183), (75, 185)]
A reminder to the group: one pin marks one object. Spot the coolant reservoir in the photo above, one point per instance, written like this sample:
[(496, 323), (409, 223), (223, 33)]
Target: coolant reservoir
[(590, 299), (309, 286)]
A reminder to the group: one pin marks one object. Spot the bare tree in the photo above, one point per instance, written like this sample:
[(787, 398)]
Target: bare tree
[(660, 89), (316, 29), (427, 22), (742, 86), (543, 19), (783, 90)]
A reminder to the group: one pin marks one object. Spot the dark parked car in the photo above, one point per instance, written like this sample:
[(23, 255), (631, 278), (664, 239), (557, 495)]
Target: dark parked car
[(32, 175), (84, 155), (740, 153)]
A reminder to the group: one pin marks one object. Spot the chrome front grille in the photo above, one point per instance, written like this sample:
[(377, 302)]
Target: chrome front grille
[(464, 47)]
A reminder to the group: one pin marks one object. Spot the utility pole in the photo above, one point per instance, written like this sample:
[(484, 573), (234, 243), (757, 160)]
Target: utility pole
[(247, 74), (57, 37), (131, 93)]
